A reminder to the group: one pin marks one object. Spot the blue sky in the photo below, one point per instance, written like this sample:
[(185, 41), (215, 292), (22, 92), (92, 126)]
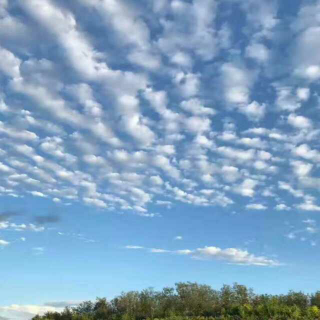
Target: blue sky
[(144, 143)]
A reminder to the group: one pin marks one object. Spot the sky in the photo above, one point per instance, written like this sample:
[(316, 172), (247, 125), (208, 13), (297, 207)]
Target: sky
[(144, 143)]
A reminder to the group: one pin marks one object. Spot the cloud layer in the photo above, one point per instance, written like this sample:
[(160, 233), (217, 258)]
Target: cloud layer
[(151, 115)]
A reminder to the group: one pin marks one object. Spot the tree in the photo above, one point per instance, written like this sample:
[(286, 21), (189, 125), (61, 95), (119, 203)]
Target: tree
[(315, 299), (167, 303), (102, 309), (83, 308), (296, 299), (196, 299)]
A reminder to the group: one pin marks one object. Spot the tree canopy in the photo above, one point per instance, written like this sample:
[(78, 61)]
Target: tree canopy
[(188, 301)]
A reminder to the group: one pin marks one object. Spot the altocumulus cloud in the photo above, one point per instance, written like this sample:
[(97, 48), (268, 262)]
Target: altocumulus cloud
[(99, 124)]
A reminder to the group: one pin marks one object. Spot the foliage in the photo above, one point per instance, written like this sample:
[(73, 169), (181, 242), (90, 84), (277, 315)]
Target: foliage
[(192, 301)]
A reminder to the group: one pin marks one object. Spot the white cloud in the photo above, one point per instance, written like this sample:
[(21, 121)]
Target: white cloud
[(237, 82), (287, 186), (229, 255), (309, 222), (38, 251), (35, 228), (9, 64), (187, 83), (291, 235), (178, 238), (62, 304), (95, 202), (311, 72), (299, 122), (230, 173), (140, 196), (163, 163), (94, 160), (145, 59), (236, 154), (84, 94), (304, 151), (166, 149), (134, 247), (23, 312), (5, 168), (132, 120), (202, 140), (301, 168), (260, 165), (311, 229), (256, 206), (252, 142), (228, 136), (286, 99), (6, 225), (308, 205), (46, 100), (131, 30), (197, 124), (54, 147), (168, 204), (232, 255), (303, 94), (199, 37), (246, 188), (196, 107), (38, 194), (63, 26), (182, 59), (282, 207), (4, 243), (156, 180), (23, 135), (258, 52), (254, 111), (155, 250), (305, 57)]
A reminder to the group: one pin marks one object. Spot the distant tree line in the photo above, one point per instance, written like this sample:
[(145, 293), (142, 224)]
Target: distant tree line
[(192, 301)]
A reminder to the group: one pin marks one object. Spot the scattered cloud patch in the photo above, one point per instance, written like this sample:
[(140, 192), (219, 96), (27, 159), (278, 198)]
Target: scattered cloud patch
[(256, 206), (134, 247), (229, 255), (4, 243), (38, 251), (101, 126), (23, 312)]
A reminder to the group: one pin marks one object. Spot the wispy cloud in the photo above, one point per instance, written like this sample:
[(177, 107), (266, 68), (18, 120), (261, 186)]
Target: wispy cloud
[(229, 255), (4, 243), (134, 247), (38, 251)]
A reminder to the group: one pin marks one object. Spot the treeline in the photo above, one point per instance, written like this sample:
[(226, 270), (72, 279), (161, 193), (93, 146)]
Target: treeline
[(191, 301)]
